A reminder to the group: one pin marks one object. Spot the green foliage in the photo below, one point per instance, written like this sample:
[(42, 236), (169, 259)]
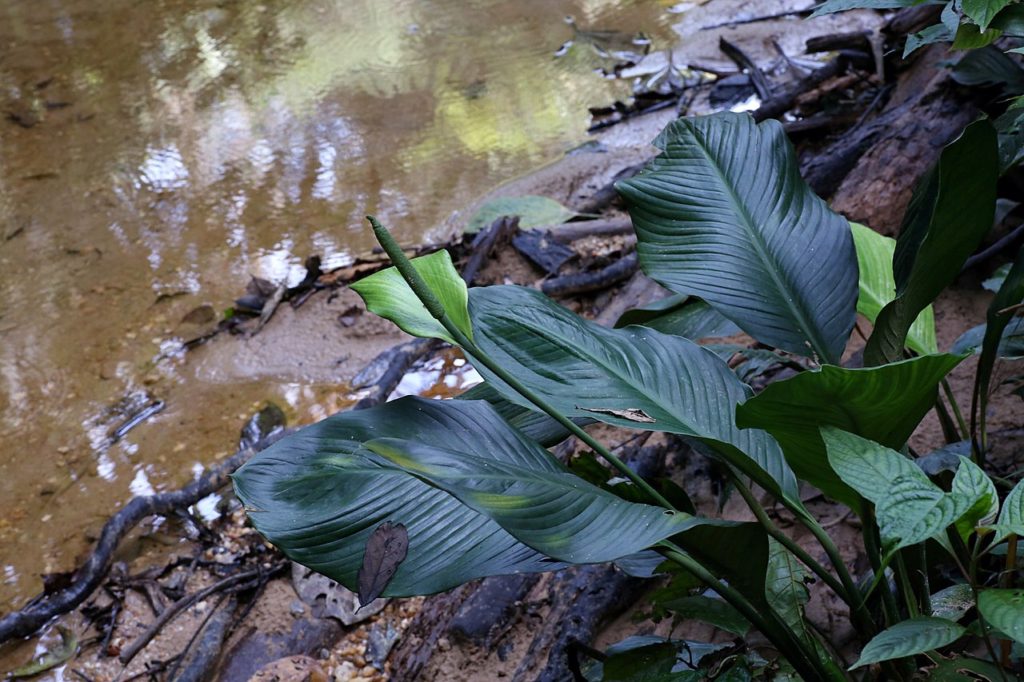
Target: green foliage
[(387, 294), (950, 212), (532, 211), (910, 637), (680, 315), (723, 219), (1004, 610), (878, 287), (713, 222), (857, 400), (632, 377)]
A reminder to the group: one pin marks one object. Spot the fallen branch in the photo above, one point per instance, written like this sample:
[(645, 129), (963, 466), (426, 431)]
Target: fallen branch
[(582, 282), (570, 232), (743, 60)]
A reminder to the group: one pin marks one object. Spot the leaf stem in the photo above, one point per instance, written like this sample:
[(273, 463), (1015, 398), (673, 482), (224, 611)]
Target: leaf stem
[(773, 530), (948, 391), (805, 661), (436, 310)]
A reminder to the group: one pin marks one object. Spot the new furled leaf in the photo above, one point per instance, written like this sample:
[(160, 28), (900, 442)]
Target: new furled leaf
[(387, 294), (860, 401), (722, 213), (949, 214), (908, 638), (878, 288)]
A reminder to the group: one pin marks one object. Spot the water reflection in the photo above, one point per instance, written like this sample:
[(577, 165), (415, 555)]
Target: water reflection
[(160, 154)]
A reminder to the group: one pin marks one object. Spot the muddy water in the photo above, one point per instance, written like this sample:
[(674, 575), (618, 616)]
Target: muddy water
[(155, 155)]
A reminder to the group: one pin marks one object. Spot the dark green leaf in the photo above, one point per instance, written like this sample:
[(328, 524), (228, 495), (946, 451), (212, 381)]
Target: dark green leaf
[(939, 33), (908, 638), (989, 66), (684, 316), (534, 425), (978, 493), (833, 6), (581, 367), (860, 401), (722, 213), (387, 294), (532, 210), (545, 507), (319, 494), (1010, 344), (962, 669), (1011, 516), (998, 318), (1010, 21), (949, 214), (1004, 610), (970, 37), (713, 611)]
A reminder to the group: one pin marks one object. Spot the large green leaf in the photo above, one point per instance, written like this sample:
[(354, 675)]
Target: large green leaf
[(722, 213), (711, 610), (387, 294), (535, 425), (909, 508), (950, 212), (877, 286), (319, 494), (1004, 610), (908, 638), (681, 315), (861, 401), (632, 377), (545, 507), (532, 211)]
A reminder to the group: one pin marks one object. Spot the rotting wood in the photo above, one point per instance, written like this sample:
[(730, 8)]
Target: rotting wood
[(583, 282)]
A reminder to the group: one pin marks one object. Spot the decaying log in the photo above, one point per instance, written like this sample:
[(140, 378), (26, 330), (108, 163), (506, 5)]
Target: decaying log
[(607, 227), (582, 282)]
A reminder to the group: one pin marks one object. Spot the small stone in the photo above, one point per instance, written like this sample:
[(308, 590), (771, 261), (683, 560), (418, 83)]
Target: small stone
[(345, 672), (443, 644), (297, 608)]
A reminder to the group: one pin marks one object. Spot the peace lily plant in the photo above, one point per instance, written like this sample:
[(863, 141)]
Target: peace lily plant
[(418, 496)]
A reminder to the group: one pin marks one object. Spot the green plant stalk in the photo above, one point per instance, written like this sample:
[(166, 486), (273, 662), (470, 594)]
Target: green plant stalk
[(787, 542), (436, 309), (798, 653), (1005, 581), (874, 551), (949, 430), (965, 430), (861, 616), (907, 590)]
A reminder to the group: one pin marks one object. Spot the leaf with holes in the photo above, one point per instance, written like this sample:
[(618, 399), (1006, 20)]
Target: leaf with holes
[(722, 213)]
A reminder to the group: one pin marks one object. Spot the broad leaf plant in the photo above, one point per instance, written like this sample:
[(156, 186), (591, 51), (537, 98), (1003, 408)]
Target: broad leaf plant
[(723, 220)]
